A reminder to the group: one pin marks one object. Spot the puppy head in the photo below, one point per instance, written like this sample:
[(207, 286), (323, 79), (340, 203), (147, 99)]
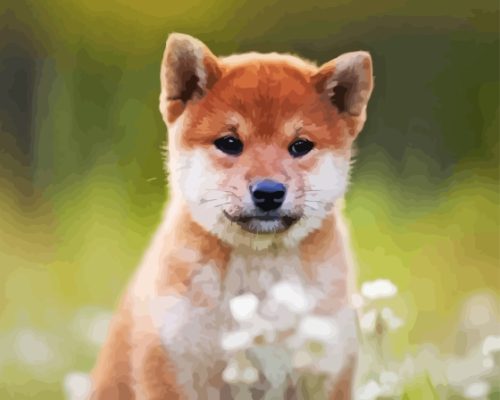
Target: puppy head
[(260, 144)]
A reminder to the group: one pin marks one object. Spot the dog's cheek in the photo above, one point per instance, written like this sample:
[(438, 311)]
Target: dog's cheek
[(198, 182), (197, 177), (328, 179)]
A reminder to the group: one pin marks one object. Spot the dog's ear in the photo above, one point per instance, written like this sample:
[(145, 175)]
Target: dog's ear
[(188, 70), (347, 81)]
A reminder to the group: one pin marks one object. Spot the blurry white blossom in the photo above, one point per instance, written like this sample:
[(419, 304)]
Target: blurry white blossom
[(461, 370), (491, 345), (477, 390), (249, 375), (370, 391), (392, 321), (231, 372), (357, 301), (429, 361), (77, 386), (368, 320), (237, 340), (471, 373), (244, 307), (240, 370), (282, 318), (302, 359), (280, 333), (317, 346), (32, 347), (292, 296), (478, 320), (478, 312), (317, 328), (389, 378), (378, 289), (388, 385)]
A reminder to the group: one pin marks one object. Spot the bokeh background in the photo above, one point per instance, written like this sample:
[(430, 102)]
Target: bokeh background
[(82, 185)]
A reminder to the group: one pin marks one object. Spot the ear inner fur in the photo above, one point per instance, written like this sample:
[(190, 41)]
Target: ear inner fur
[(348, 81), (188, 70)]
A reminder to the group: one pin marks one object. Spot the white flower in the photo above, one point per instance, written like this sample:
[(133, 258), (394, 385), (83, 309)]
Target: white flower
[(491, 345), (302, 359), (240, 369), (231, 372), (279, 315), (249, 375), (378, 289), (243, 307), (390, 318), (262, 331), (389, 382), (77, 386), (292, 296), (466, 369), (370, 391), (236, 340), (357, 301), (477, 390), (317, 328), (388, 378), (33, 348), (368, 321), (315, 346)]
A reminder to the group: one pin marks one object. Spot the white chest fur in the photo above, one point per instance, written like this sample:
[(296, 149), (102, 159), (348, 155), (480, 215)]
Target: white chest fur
[(192, 325)]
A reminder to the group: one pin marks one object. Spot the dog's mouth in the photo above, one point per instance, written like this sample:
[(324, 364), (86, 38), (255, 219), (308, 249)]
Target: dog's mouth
[(266, 223)]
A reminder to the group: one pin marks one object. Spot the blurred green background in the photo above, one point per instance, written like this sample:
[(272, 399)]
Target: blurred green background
[(82, 186)]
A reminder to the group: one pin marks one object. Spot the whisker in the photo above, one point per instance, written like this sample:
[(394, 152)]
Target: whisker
[(310, 207), (307, 190), (204, 201), (224, 191), (314, 214), (221, 205)]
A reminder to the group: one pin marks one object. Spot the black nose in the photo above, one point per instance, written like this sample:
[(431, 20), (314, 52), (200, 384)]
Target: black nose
[(268, 195)]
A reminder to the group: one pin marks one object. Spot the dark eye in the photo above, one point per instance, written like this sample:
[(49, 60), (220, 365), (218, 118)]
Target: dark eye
[(300, 147), (229, 145)]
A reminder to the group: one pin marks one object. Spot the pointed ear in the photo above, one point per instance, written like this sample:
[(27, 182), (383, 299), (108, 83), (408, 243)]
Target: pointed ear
[(188, 70), (347, 81)]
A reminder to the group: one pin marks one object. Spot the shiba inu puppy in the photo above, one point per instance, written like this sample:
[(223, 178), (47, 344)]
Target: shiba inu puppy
[(259, 150)]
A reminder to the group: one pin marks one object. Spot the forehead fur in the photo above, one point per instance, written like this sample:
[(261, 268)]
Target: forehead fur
[(263, 81), (267, 91), (268, 58)]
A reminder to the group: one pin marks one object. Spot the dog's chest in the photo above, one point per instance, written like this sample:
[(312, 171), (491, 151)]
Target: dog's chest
[(200, 316), (192, 325)]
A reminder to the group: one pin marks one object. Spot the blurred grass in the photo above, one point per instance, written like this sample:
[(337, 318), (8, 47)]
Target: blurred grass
[(82, 185)]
